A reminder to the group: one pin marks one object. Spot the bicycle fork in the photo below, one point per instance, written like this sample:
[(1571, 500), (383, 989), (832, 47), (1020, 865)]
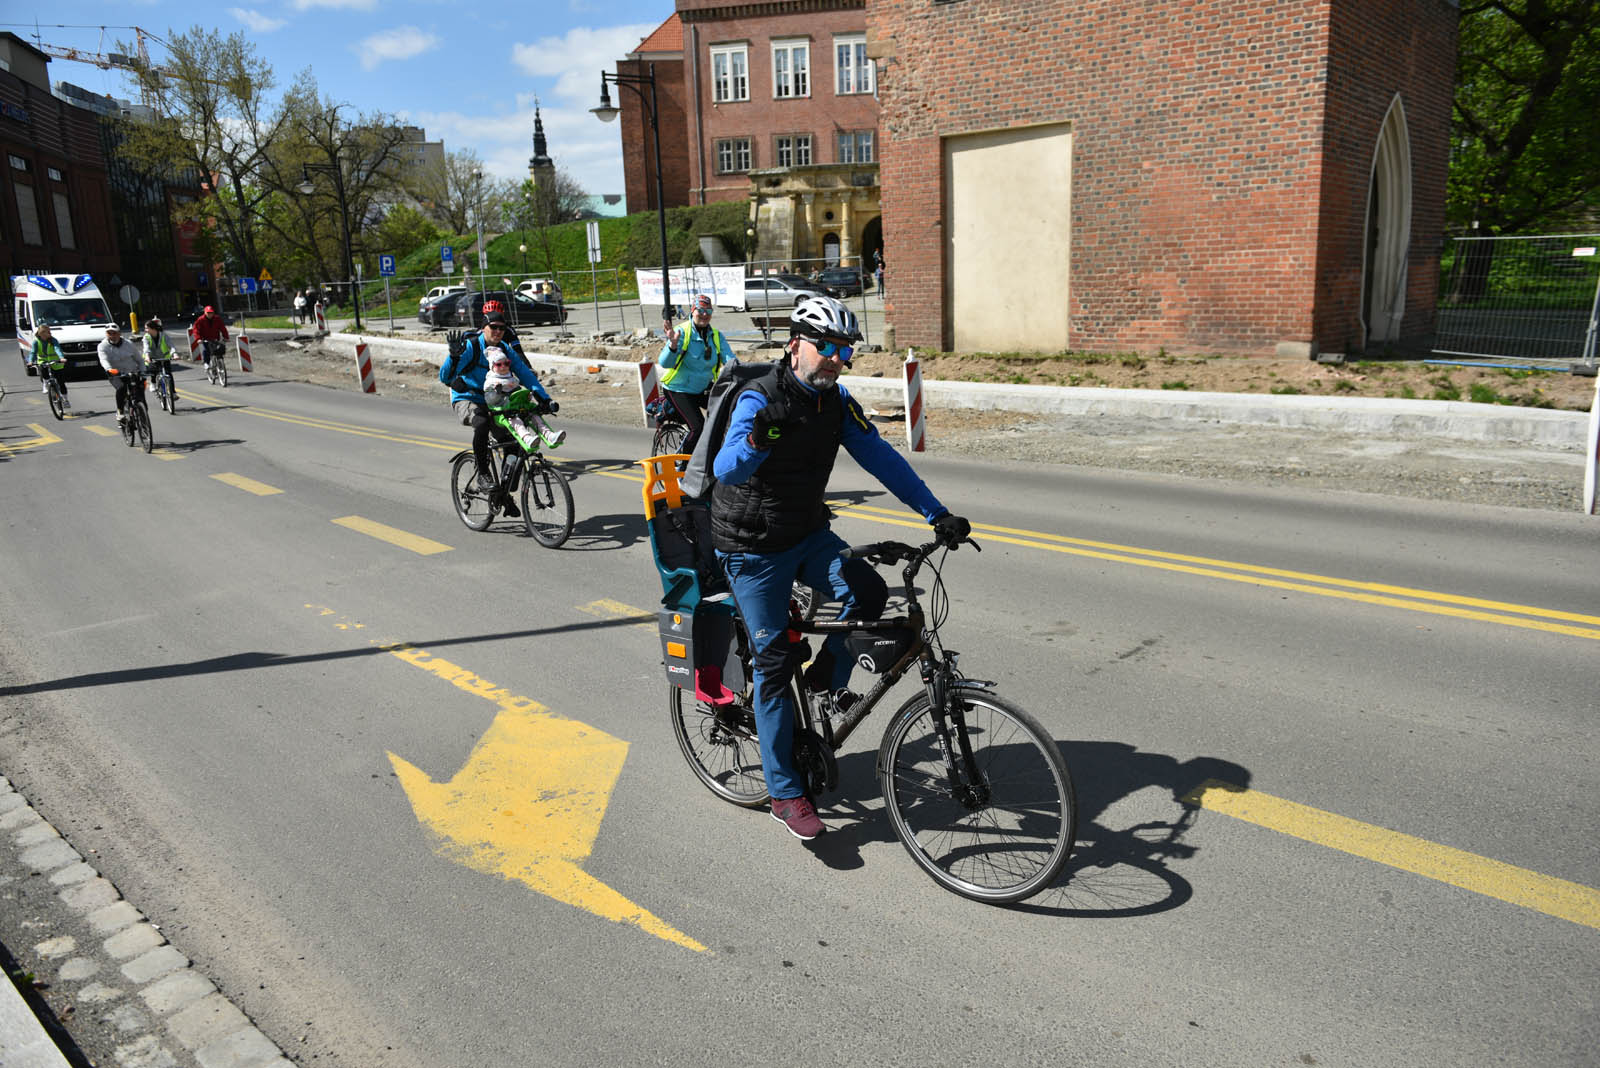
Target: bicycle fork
[(949, 718)]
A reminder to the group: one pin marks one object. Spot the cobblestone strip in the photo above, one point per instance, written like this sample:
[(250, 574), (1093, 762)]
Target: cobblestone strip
[(114, 964)]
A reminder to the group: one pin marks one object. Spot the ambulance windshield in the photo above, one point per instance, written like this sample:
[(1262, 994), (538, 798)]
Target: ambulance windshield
[(69, 312)]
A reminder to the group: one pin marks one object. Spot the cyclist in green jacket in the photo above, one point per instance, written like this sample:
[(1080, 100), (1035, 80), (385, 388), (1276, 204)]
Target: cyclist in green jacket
[(158, 352), (694, 355), (47, 357)]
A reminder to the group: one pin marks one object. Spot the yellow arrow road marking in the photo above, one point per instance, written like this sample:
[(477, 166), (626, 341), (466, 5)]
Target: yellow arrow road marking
[(393, 535), (1492, 878), (529, 802), (249, 485), (44, 437)]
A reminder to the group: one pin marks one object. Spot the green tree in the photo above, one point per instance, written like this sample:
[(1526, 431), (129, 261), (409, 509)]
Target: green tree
[(538, 206), (1526, 134)]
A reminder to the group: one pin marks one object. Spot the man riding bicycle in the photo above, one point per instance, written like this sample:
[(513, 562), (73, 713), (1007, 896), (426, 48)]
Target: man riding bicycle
[(123, 362), (463, 371), (693, 357), (770, 525), (47, 357), (210, 330)]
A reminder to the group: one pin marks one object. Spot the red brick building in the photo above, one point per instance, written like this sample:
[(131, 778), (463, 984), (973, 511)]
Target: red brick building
[(772, 102), (1220, 175)]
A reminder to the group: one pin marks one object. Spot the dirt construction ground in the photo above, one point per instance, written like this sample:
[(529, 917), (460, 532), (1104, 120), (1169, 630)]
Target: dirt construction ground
[(1509, 474)]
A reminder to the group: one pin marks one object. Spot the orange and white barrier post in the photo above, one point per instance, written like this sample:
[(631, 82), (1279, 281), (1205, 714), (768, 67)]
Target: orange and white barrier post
[(649, 387), (244, 352), (1593, 453), (322, 320), (364, 368), (916, 418), (194, 346)]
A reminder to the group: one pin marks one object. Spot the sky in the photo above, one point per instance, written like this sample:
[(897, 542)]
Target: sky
[(467, 73)]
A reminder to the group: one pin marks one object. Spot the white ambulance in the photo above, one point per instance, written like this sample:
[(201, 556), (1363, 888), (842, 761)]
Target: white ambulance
[(71, 305)]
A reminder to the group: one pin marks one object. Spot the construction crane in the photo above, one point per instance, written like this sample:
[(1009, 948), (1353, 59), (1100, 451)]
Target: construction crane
[(138, 64)]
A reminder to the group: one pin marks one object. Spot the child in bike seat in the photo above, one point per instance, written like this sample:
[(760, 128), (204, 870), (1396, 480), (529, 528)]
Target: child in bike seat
[(514, 406)]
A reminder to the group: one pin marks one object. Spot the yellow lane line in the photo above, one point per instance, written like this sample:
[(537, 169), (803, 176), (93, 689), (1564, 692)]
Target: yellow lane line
[(393, 535), (103, 431), (1492, 878), (1376, 587), (249, 485), (608, 609), (45, 437), (1254, 578), (166, 454)]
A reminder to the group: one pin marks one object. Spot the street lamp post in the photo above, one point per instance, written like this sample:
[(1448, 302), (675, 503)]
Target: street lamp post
[(605, 112), (307, 187)]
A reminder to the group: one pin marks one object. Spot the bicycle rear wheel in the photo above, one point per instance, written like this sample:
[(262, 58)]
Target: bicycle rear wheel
[(1001, 838), (669, 438), (141, 421), (719, 742), (546, 503), (56, 408), (472, 504)]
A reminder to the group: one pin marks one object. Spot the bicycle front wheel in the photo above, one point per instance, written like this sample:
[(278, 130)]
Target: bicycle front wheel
[(472, 504), (56, 408), (719, 742), (141, 421), (546, 504), (172, 396), (1005, 832), (222, 371)]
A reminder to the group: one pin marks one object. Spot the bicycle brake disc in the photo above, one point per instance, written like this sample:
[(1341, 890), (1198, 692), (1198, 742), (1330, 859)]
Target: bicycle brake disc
[(816, 763)]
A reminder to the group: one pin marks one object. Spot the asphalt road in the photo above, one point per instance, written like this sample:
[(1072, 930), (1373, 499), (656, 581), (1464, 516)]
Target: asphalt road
[(221, 691)]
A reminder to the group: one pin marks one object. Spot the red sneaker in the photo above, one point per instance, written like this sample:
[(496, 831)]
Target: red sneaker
[(799, 815)]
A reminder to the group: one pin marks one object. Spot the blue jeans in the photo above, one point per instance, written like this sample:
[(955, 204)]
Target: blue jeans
[(761, 583)]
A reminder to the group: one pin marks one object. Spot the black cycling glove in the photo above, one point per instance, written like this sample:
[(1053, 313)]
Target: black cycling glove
[(769, 424), (951, 530), (549, 407), (457, 340)]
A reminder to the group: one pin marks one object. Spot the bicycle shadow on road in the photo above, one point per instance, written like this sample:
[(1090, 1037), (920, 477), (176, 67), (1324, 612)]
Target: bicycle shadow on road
[(196, 446), (600, 533), (1119, 866)]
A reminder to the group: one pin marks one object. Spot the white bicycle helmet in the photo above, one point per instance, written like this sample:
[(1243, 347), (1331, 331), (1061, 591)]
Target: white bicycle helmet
[(824, 317)]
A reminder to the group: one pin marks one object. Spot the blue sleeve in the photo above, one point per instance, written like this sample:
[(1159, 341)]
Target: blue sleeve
[(883, 463), (737, 460)]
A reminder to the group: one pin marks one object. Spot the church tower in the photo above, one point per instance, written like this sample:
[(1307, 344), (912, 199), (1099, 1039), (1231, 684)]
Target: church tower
[(541, 168)]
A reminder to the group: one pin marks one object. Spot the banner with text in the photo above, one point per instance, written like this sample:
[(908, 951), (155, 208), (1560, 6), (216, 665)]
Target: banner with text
[(725, 284)]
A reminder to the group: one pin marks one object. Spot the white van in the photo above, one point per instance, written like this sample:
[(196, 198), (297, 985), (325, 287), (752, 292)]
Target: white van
[(71, 305), (536, 288), (439, 291)]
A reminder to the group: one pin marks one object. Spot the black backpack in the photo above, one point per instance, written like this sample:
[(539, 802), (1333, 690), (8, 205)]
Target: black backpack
[(697, 478)]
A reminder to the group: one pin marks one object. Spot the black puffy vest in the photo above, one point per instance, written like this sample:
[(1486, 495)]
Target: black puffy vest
[(784, 500)]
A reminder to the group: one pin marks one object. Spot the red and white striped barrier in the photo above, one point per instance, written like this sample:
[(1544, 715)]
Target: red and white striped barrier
[(916, 418), (649, 387), (322, 320), (194, 346), (244, 352), (364, 368), (1593, 453)]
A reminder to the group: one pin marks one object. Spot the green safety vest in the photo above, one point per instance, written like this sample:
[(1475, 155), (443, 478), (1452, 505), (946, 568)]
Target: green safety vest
[(686, 333), (49, 355)]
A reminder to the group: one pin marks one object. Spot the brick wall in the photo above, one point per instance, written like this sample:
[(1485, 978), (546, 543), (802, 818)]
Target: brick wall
[(1199, 198), (638, 150)]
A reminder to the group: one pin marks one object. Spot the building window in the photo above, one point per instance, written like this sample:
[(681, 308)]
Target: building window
[(855, 73), (733, 155), (855, 146), (63, 220), (53, 174), (17, 163), (27, 213), (730, 73), (794, 150), (791, 69)]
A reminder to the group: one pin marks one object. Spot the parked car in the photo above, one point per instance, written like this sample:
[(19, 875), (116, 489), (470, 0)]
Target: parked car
[(537, 289), (440, 311), (779, 291), (521, 309), (437, 292), (839, 281)]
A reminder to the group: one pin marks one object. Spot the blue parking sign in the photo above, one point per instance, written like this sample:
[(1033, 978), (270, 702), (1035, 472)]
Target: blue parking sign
[(386, 266), (446, 254)]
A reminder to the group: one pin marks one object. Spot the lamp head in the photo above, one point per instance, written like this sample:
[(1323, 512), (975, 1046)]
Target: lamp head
[(305, 185), (605, 112)]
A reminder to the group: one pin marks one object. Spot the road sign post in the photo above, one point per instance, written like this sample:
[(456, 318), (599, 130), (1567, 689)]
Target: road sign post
[(594, 260), (386, 268)]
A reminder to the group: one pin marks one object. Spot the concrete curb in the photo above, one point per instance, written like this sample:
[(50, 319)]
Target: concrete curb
[(1453, 420), (103, 950)]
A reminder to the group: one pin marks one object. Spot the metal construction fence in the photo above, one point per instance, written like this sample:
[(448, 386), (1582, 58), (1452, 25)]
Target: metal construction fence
[(1531, 299)]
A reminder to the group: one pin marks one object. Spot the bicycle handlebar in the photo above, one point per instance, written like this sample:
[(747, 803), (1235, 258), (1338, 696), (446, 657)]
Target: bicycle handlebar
[(892, 552)]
